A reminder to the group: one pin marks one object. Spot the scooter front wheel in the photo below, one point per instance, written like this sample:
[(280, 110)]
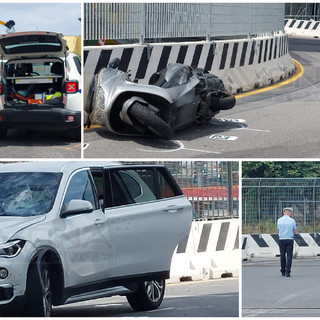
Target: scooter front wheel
[(150, 120)]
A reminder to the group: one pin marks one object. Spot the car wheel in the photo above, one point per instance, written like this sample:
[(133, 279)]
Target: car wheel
[(148, 296), (150, 121), (39, 296)]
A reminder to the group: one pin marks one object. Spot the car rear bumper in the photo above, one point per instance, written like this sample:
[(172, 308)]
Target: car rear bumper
[(46, 119)]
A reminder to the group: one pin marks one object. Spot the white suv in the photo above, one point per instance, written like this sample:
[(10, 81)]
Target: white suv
[(39, 83), (73, 231)]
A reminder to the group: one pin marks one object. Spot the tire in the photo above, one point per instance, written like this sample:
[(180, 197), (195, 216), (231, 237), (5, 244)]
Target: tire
[(39, 296), (150, 121), (225, 103), (149, 295)]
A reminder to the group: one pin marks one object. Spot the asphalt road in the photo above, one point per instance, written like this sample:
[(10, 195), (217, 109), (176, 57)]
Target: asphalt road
[(265, 293), (39, 144), (281, 123), (214, 298)]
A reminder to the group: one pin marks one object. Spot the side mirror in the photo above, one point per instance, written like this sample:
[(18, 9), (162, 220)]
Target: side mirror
[(114, 64), (76, 206)]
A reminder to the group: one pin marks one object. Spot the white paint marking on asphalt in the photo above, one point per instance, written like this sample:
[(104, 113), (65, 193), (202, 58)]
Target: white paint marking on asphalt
[(284, 300), (248, 129), (221, 137), (85, 146), (181, 147), (161, 309), (233, 120)]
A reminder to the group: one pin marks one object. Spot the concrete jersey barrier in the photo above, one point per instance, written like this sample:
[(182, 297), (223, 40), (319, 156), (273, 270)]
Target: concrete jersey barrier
[(210, 251), (266, 245), (302, 28), (241, 64)]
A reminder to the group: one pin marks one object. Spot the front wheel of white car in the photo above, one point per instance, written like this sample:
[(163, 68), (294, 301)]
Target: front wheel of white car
[(39, 296), (148, 296)]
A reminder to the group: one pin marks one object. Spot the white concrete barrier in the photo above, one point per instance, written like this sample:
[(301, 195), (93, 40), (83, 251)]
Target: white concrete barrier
[(302, 28), (241, 64), (266, 245), (210, 251)]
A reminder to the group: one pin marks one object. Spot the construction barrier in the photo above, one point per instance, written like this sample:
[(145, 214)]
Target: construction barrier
[(302, 28), (267, 245), (241, 64), (210, 251)]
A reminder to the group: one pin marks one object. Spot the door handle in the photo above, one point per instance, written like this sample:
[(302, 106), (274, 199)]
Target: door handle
[(99, 221), (173, 208)]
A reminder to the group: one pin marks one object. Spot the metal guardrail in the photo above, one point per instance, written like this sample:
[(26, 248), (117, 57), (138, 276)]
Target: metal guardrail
[(139, 21)]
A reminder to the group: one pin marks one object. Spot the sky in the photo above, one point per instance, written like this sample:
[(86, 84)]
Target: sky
[(54, 17)]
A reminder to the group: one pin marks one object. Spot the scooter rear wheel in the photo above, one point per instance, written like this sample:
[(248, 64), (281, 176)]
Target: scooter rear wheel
[(151, 121)]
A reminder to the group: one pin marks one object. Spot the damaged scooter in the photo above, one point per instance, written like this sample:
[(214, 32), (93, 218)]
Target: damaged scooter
[(174, 98)]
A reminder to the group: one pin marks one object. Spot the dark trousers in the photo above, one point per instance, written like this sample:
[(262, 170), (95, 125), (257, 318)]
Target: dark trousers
[(286, 252)]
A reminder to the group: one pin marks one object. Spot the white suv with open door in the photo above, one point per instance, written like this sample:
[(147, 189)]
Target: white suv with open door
[(39, 83), (73, 231)]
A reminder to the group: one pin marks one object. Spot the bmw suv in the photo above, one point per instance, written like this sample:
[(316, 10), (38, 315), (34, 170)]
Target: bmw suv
[(73, 231)]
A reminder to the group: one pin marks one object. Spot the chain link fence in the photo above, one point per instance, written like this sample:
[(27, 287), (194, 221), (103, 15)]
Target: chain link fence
[(212, 187), (263, 200), (155, 21)]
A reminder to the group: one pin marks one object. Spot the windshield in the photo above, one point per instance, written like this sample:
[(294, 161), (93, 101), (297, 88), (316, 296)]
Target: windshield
[(27, 193)]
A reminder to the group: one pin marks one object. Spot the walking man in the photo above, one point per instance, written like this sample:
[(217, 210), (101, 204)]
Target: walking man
[(287, 227)]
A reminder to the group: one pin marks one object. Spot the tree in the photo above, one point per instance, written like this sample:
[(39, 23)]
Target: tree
[(280, 169)]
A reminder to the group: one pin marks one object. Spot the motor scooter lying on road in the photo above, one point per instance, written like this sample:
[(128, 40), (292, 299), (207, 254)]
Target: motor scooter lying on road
[(175, 97)]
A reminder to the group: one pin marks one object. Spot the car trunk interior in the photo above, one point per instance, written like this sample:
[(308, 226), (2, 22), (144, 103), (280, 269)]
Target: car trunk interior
[(34, 83)]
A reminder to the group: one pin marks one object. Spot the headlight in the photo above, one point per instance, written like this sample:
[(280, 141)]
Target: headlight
[(11, 249)]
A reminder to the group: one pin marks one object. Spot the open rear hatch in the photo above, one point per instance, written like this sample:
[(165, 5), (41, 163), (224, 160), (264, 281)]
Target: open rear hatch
[(34, 71), (32, 44)]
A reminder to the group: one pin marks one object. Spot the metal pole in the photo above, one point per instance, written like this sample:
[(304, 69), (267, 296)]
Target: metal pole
[(230, 188), (259, 205), (142, 23)]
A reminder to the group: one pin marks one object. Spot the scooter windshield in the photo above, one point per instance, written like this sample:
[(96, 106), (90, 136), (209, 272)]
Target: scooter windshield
[(177, 75)]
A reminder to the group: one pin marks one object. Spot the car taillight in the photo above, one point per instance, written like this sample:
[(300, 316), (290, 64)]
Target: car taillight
[(70, 118), (72, 87), (0, 88)]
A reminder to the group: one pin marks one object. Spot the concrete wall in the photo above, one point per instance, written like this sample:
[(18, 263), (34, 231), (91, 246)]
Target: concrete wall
[(241, 64), (302, 28), (74, 44), (266, 245)]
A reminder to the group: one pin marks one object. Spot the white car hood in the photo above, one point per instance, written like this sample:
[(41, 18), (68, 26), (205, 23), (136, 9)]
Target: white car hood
[(9, 226)]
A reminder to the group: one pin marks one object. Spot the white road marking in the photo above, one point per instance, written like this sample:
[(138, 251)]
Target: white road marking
[(181, 147), (248, 129)]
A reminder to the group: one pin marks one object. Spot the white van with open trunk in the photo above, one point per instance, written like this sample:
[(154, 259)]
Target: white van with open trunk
[(39, 83)]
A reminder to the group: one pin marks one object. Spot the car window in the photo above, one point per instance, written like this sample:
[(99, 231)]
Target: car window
[(139, 185), (97, 176), (80, 187), (77, 63)]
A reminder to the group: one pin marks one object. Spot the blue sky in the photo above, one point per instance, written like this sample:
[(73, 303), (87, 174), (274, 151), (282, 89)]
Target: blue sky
[(57, 17)]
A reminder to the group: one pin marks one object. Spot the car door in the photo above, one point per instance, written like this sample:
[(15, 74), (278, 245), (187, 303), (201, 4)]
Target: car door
[(147, 215), (82, 240)]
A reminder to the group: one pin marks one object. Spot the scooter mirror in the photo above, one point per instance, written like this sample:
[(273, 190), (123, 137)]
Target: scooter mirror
[(114, 64)]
